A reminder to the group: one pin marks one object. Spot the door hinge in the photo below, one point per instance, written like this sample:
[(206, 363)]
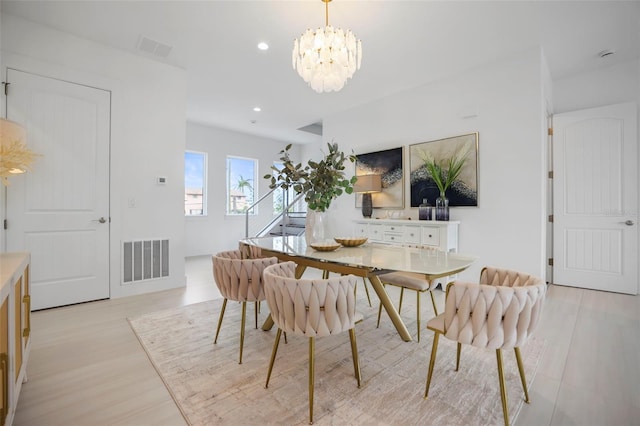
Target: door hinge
[(551, 261), (550, 131), (551, 218), (6, 87), (551, 174), (5, 224)]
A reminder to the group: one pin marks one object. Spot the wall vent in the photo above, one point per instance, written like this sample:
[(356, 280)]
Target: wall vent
[(153, 47), (144, 260)]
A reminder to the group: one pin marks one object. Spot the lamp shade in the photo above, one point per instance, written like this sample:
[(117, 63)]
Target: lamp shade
[(368, 183)]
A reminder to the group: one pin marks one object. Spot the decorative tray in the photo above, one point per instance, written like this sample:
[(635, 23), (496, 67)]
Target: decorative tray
[(351, 241), (328, 246)]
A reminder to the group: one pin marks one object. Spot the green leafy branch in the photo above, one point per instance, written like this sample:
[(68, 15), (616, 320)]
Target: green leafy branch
[(320, 182)]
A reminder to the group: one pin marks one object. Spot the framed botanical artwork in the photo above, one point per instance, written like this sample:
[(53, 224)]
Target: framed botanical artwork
[(463, 191), (389, 165)]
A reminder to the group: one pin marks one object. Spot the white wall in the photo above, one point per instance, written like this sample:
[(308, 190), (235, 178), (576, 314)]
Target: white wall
[(507, 229), (148, 103), (608, 85), (218, 231)]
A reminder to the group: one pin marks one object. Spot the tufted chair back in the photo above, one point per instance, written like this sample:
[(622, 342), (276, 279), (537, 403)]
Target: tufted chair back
[(494, 316), (310, 307), (506, 278), (240, 279), (501, 312)]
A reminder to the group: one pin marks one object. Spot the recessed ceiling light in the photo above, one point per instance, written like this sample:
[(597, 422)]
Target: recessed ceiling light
[(263, 46), (257, 109)]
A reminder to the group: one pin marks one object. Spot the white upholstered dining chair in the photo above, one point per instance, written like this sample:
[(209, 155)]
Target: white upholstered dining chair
[(311, 308), (501, 312), (239, 280), (411, 281)]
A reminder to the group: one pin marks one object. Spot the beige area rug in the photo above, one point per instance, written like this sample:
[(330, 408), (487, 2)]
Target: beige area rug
[(211, 388)]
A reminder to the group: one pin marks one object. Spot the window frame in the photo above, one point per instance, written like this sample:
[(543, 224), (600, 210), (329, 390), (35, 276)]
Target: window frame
[(205, 173), (228, 185)]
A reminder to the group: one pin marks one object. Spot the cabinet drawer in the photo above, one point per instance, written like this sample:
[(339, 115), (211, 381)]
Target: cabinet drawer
[(361, 230), (393, 237), (430, 236), (412, 235), (393, 228), (376, 232)]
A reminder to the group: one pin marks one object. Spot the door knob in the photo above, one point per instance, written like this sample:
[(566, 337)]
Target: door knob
[(101, 220), (628, 222)]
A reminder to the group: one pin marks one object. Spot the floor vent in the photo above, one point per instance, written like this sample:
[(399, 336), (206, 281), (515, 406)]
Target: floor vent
[(145, 260)]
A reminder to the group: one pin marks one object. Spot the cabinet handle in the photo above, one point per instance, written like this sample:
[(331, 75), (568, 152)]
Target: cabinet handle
[(5, 387), (27, 301), (430, 236)]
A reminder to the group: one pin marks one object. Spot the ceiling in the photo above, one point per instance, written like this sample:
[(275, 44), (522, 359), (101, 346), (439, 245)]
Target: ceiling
[(405, 44)]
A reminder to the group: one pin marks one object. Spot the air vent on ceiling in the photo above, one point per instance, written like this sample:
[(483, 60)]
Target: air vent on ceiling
[(315, 128), (153, 47)]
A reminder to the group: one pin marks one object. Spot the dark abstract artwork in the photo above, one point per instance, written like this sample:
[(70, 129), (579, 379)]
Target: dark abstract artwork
[(388, 164), (464, 191)]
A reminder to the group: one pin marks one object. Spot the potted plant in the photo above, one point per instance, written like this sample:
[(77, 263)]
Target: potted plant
[(320, 181), (444, 173)]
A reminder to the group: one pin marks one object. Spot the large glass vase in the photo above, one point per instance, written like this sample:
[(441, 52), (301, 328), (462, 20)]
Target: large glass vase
[(442, 207)]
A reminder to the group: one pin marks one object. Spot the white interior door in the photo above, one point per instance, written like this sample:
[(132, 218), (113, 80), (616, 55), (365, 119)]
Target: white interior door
[(595, 162), (60, 211)]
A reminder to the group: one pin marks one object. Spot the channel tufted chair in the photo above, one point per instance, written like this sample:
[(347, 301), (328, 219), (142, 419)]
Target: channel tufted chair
[(501, 312), (311, 308), (240, 280)]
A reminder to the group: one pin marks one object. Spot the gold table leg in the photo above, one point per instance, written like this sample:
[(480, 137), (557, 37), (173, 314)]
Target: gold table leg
[(388, 306)]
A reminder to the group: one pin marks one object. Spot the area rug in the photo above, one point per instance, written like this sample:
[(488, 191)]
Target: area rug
[(211, 388)]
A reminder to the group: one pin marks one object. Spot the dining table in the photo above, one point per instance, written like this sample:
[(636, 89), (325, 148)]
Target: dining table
[(367, 260)]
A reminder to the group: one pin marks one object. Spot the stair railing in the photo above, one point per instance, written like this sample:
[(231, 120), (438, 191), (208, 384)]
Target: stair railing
[(284, 215)]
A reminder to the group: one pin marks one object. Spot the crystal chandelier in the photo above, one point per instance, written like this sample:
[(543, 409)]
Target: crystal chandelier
[(327, 57)]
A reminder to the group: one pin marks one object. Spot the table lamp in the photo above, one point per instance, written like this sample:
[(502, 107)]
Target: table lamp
[(366, 185)]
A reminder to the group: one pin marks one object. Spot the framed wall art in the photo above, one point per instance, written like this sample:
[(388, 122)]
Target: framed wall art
[(462, 192), (388, 164)]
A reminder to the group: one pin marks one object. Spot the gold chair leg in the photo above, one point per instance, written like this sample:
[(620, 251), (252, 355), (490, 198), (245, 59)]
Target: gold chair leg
[(257, 306), (433, 302), (273, 356), (401, 296), (418, 313), (458, 352), (379, 314), (354, 354), (503, 388), (379, 311), (366, 289), (432, 362), (244, 318), (224, 305), (523, 379), (312, 362)]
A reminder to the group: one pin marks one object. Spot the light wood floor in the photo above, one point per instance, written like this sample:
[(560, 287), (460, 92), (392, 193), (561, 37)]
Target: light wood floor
[(87, 367)]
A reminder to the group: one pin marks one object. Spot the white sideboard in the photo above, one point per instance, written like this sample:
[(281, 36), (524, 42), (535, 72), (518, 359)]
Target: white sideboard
[(15, 330), (440, 234)]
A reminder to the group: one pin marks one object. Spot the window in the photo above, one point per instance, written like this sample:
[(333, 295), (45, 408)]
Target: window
[(241, 181), (195, 178), (282, 198)]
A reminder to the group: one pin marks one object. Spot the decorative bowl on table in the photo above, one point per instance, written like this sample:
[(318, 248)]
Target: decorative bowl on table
[(351, 241), (324, 246)]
